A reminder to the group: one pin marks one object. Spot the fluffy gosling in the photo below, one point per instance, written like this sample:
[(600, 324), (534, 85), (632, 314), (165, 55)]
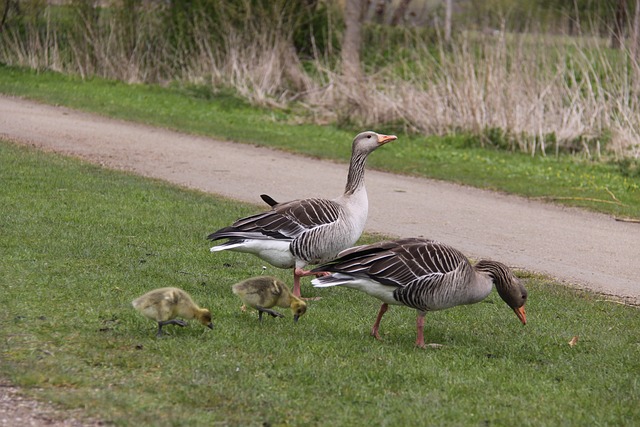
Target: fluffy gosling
[(165, 304), (264, 292)]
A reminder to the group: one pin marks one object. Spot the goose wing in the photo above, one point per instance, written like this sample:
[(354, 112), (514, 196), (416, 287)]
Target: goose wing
[(285, 221), (398, 263)]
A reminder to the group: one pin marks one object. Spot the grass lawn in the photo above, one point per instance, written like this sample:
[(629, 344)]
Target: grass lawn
[(80, 242), (599, 186)]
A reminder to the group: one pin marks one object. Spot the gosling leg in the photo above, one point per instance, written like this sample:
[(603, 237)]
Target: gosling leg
[(268, 311), (178, 322)]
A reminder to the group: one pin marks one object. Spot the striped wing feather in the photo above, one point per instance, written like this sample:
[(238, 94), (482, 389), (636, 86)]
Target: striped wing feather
[(426, 275), (398, 263), (285, 221)]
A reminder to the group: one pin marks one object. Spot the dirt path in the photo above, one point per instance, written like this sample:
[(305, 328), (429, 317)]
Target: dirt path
[(19, 411), (577, 247)]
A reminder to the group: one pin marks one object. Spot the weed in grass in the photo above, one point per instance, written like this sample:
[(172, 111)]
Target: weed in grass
[(79, 243)]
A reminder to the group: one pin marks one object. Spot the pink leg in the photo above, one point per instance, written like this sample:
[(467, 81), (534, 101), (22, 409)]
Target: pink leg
[(420, 329), (296, 281), (300, 272), (374, 331), (297, 274)]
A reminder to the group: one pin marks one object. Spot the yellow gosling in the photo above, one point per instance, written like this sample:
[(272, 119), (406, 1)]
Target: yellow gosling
[(165, 304), (264, 292)]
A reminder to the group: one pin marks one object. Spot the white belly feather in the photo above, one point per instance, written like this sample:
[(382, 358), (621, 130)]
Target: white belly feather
[(377, 290), (275, 252)]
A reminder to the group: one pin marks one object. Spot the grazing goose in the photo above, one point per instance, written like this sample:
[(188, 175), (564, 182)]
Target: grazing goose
[(165, 304), (264, 292), (307, 231), (422, 274)]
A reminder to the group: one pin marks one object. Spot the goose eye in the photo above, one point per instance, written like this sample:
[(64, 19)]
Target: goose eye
[(368, 136)]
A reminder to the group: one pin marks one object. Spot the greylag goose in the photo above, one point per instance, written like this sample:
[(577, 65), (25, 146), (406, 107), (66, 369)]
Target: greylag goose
[(421, 274), (307, 231), (264, 292), (163, 305)]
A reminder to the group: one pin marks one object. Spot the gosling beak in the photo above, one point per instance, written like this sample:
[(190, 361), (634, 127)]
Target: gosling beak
[(295, 318), (521, 314), (210, 326), (383, 139)]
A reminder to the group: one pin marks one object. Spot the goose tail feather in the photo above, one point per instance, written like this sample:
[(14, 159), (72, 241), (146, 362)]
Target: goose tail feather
[(227, 246), (336, 279)]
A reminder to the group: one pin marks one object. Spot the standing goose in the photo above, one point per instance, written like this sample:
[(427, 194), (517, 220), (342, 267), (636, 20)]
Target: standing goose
[(307, 231), (421, 274)]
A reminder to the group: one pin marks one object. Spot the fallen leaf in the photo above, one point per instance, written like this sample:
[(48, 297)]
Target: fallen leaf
[(573, 341)]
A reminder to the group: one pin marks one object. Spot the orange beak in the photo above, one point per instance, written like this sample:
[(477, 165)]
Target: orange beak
[(383, 139), (521, 314)]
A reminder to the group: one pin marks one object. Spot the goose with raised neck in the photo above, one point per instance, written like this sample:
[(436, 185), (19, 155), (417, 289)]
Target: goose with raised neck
[(307, 231)]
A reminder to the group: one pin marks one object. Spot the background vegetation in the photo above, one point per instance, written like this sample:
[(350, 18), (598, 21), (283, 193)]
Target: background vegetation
[(538, 76), (80, 242)]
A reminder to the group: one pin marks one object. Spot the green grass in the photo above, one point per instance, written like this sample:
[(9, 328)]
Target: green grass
[(80, 242), (565, 179)]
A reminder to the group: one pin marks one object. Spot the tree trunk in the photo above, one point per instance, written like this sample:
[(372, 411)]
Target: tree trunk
[(617, 33), (400, 11), (635, 42), (448, 9), (5, 13), (576, 26), (352, 39), (375, 11)]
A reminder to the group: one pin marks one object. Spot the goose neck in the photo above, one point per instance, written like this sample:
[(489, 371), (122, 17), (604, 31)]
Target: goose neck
[(497, 272), (355, 178)]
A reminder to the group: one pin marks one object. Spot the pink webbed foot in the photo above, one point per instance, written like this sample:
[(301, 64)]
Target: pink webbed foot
[(375, 334), (420, 333)]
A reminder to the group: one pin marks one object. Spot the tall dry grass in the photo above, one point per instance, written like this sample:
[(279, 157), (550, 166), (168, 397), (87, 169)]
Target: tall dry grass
[(538, 94), (543, 93), (531, 92)]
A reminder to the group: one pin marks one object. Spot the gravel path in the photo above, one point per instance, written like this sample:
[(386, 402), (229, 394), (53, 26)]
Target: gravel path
[(577, 247), (19, 411)]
